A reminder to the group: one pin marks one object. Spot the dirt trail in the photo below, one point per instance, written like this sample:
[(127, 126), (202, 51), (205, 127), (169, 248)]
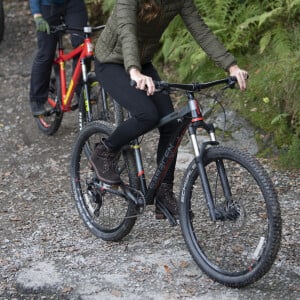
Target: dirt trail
[(46, 251)]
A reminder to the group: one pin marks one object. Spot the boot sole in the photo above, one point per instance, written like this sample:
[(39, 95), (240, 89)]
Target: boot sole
[(39, 114), (160, 216)]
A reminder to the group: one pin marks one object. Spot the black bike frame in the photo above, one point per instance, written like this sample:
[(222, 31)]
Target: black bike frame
[(190, 118)]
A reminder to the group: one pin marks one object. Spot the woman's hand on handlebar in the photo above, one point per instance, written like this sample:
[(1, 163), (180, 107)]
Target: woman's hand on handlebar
[(240, 74), (143, 82)]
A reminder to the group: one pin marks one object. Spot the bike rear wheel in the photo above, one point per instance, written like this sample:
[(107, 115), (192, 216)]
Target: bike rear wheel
[(241, 246), (50, 123), (104, 211), (102, 106)]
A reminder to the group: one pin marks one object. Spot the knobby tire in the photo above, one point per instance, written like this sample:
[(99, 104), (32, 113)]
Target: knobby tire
[(106, 215), (102, 106), (241, 248), (50, 124)]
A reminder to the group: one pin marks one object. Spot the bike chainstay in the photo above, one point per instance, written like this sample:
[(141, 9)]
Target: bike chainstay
[(167, 213), (130, 194)]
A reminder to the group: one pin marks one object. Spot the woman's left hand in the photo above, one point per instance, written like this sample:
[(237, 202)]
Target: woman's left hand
[(240, 74)]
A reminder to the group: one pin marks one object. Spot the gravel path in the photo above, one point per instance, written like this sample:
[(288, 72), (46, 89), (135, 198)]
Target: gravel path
[(46, 251)]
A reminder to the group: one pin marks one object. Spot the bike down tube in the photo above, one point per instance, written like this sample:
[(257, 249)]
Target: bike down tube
[(166, 160), (68, 94)]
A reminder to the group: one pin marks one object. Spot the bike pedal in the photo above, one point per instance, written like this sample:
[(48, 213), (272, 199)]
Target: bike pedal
[(50, 112), (110, 187)]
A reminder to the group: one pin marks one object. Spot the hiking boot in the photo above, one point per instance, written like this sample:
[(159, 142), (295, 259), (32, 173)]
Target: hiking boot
[(37, 108), (102, 161), (166, 196)]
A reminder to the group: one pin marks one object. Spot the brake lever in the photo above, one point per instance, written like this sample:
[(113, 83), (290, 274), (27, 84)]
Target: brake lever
[(232, 80)]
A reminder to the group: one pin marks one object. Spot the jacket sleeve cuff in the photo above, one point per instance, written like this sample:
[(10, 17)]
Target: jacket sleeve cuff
[(133, 66)]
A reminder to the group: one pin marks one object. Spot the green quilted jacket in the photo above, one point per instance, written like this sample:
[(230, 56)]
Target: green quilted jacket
[(126, 40)]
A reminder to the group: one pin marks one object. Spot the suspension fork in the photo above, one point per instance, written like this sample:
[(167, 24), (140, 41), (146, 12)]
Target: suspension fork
[(199, 154), (86, 94), (199, 158)]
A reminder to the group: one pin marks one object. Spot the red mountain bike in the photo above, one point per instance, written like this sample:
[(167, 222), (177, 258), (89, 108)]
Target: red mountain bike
[(93, 103)]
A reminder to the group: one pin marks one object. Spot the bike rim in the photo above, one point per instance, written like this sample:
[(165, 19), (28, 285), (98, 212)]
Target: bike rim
[(231, 247)]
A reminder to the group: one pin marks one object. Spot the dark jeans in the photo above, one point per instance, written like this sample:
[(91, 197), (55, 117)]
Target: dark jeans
[(145, 110), (74, 14)]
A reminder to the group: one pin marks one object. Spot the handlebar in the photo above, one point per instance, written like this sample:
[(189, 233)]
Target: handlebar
[(86, 29), (161, 86)]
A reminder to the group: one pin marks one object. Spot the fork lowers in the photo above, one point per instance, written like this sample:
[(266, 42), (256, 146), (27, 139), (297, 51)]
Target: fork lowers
[(229, 212)]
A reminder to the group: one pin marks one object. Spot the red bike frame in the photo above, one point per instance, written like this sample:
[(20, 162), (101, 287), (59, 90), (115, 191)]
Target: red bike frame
[(85, 50)]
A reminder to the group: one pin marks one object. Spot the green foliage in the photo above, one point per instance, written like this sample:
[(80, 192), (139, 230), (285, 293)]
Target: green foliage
[(271, 101), (98, 11), (265, 37), (243, 26), (108, 5), (290, 158)]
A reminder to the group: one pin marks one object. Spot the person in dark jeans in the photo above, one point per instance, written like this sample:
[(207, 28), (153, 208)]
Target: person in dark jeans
[(47, 13), (124, 51)]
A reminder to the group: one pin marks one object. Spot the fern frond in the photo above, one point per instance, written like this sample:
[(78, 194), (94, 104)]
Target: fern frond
[(265, 41), (271, 15), (281, 42)]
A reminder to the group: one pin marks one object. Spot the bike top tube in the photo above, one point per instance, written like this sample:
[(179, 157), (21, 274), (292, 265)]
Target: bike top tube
[(65, 28), (163, 86)]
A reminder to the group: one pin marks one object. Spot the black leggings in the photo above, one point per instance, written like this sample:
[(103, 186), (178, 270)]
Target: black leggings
[(145, 110)]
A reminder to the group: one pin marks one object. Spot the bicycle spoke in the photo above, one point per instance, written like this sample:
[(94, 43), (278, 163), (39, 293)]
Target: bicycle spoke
[(104, 209)]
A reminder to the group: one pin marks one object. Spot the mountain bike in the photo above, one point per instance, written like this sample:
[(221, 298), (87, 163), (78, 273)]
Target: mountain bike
[(93, 103), (229, 212)]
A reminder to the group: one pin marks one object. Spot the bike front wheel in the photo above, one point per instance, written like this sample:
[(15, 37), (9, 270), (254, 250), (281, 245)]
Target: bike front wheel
[(241, 245), (104, 210), (50, 123)]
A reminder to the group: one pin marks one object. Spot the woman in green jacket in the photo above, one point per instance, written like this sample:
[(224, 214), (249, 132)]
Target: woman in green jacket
[(124, 52)]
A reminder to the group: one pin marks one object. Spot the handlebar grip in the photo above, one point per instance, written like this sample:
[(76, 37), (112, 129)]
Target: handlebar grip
[(156, 83), (232, 80)]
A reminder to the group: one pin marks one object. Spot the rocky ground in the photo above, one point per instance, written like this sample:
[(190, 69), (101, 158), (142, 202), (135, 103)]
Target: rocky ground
[(47, 252)]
